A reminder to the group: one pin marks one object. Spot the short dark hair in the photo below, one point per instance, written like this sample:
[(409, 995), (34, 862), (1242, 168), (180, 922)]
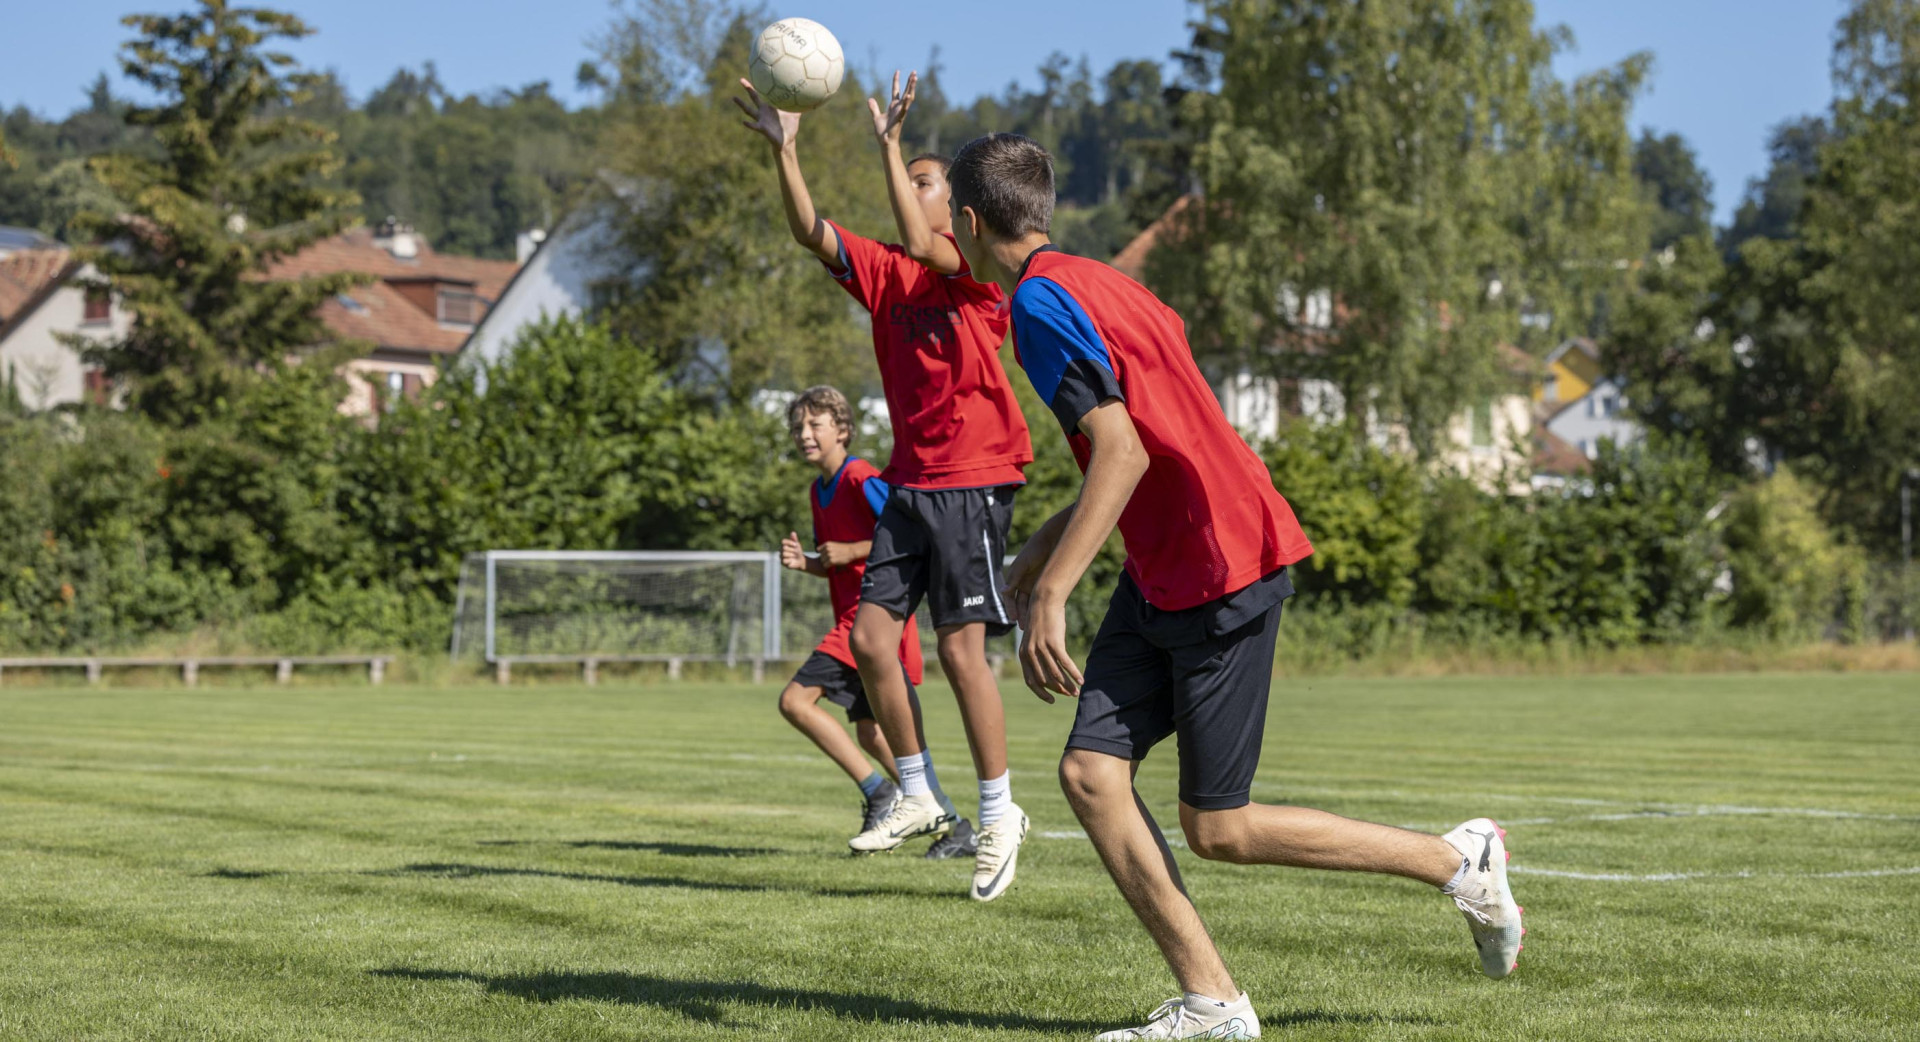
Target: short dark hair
[(820, 399), (1008, 180), (946, 162)]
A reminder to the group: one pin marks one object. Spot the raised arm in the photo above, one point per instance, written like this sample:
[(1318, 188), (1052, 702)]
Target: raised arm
[(917, 236), (1117, 463), (780, 129)]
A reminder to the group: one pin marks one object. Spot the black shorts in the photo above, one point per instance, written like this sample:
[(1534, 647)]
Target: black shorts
[(840, 684), (1202, 673), (945, 547)]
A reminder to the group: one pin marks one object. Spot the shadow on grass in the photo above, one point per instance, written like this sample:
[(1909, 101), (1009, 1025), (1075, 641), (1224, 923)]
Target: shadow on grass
[(705, 1001), (240, 873), (669, 849), (462, 871)]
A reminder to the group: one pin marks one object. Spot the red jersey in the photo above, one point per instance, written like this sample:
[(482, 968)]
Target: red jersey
[(1205, 520), (937, 339), (844, 511)]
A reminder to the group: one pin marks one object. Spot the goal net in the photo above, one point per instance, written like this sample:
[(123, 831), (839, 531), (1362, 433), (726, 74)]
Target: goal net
[(691, 605)]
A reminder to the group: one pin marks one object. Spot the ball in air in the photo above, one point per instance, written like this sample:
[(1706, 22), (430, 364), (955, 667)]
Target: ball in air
[(796, 64)]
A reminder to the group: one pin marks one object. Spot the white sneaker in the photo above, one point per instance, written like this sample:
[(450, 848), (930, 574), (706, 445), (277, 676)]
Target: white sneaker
[(910, 816), (1175, 1019), (1484, 896), (998, 853)]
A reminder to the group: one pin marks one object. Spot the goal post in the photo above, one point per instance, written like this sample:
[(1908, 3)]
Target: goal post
[(693, 605)]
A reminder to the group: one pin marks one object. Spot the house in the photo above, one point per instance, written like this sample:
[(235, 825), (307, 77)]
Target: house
[(1596, 416), (418, 312), (1491, 439), (1572, 370), (42, 295)]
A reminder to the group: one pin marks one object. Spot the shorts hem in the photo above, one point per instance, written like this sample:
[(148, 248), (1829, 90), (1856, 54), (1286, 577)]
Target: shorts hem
[(1231, 801), (1123, 750)]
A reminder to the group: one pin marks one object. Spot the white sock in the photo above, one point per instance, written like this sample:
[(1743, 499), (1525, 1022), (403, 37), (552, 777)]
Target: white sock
[(1466, 865), (996, 795), (933, 782), (913, 774), (1204, 1003)]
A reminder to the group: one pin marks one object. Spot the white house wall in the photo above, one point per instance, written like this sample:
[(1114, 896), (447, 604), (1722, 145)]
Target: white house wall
[(45, 372), (1584, 422), (557, 282)]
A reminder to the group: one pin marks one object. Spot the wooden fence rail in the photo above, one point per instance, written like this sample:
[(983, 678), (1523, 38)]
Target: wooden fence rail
[(283, 665)]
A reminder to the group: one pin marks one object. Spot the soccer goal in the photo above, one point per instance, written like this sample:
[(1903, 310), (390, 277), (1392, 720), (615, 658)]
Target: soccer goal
[(670, 606), (640, 605)]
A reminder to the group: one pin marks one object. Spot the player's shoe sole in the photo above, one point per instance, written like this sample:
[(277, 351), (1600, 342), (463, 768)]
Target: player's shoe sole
[(998, 855), (1484, 896), (910, 816)]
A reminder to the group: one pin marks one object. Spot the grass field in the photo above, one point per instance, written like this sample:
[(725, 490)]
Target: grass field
[(1732, 857)]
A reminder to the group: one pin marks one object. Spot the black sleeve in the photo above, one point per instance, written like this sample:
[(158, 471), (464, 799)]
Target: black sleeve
[(1084, 384)]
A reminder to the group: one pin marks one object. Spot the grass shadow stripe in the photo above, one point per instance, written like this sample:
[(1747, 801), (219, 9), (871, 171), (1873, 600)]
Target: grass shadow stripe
[(705, 1001), (456, 870)]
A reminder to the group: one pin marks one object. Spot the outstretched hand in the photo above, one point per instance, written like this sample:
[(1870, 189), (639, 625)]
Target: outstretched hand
[(886, 123), (778, 126)]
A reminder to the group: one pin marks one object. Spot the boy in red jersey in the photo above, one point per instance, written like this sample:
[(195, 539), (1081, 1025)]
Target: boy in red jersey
[(959, 446), (846, 501), (1187, 646)]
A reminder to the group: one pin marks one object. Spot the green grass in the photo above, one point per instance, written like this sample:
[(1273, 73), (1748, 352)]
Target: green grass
[(666, 862)]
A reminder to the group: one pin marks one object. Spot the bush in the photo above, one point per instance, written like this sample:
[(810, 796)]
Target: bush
[(1791, 578)]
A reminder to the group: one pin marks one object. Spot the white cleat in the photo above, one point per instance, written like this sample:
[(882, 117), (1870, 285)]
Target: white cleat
[(1484, 897), (1175, 1019), (910, 816), (997, 855)]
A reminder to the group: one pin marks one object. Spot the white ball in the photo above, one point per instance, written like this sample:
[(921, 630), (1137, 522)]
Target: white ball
[(796, 64)]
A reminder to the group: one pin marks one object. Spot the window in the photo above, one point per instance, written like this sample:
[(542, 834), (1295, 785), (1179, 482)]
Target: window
[(98, 307), (1483, 425), (1550, 390), (458, 307)]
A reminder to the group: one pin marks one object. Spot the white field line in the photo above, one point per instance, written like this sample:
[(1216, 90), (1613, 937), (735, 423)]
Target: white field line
[(1671, 877)]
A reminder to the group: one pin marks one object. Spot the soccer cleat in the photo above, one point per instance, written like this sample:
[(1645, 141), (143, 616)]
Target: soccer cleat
[(998, 854), (878, 804), (961, 842), (909, 816), (1484, 897), (1175, 1019)]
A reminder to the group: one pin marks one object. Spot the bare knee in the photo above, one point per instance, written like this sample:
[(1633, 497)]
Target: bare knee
[(874, 642), (963, 649), (1083, 779), (795, 701), (1217, 835)]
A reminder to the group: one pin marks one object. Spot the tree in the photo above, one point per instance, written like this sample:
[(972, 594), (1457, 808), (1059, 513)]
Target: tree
[(1418, 168), (1805, 350), (721, 293), (1772, 204), (1682, 192), (237, 184)]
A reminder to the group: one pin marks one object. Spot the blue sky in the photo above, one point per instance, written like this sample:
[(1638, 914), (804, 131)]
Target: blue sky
[(1726, 70)]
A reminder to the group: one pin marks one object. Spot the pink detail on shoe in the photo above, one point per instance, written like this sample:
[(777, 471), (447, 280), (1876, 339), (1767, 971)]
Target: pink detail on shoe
[(1509, 854), (1503, 832)]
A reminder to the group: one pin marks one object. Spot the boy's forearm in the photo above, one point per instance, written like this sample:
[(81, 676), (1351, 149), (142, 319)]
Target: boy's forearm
[(816, 567), (917, 237), (805, 224), (1112, 476)]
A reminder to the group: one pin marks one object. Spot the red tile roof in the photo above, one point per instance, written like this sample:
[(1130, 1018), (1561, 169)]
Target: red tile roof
[(381, 314), (1132, 258), (1553, 454), (26, 275)]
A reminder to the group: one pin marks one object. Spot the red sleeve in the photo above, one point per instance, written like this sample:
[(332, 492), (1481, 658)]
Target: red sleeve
[(868, 267)]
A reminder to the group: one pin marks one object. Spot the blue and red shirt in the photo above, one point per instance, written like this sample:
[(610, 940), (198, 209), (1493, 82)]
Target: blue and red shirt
[(845, 510), (1205, 520), (937, 338)]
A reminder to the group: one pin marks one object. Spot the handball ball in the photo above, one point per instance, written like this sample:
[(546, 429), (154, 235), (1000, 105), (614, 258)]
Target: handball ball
[(796, 64)]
